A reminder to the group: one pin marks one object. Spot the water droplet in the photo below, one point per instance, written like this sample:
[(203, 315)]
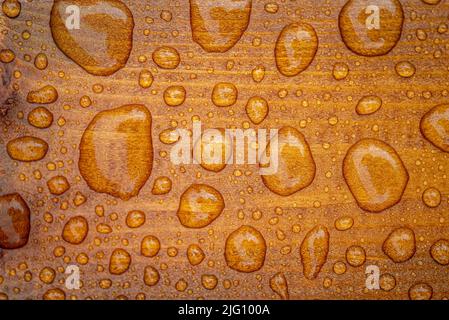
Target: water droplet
[(116, 151), (209, 281), (199, 206), (175, 96), (405, 69), (314, 250), (58, 185), (224, 94), (356, 256), (245, 249), (45, 95), (340, 71), (150, 246), (218, 26), (278, 283), (400, 245), (7, 56), (162, 185), (431, 197), (371, 29), (295, 49), (119, 262), (420, 291), (213, 149), (440, 252), (257, 109), (11, 8), (166, 57), (258, 73), (135, 218), (150, 276), (14, 221), (41, 61), (432, 2), (375, 175), (54, 294), (47, 275), (344, 223), (296, 167), (387, 282), (435, 126), (75, 230), (27, 149), (195, 254), (145, 78), (40, 117), (103, 42), (368, 105)]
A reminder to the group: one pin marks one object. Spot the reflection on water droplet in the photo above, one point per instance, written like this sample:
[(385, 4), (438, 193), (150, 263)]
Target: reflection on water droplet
[(314, 250)]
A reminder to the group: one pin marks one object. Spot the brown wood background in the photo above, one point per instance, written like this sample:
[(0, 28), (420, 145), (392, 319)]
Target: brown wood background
[(324, 201)]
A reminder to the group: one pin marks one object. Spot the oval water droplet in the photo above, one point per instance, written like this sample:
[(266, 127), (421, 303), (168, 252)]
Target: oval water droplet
[(14, 221), (40, 117), (295, 49), (195, 254), (371, 28), (257, 109), (45, 95), (296, 167), (375, 175), (166, 57), (368, 105), (224, 94), (27, 149), (75, 230), (119, 262), (314, 250), (400, 245), (199, 206), (440, 252)]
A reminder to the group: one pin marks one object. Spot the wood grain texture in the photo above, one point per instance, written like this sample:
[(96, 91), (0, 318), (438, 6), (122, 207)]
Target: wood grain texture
[(313, 102)]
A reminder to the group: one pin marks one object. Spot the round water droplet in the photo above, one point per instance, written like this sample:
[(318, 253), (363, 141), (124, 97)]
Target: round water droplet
[(209, 281), (213, 149), (135, 218), (75, 230), (151, 276), (405, 69), (356, 256), (41, 61), (295, 49), (199, 206), (150, 246), (431, 197), (175, 96), (344, 223), (340, 71), (387, 282), (224, 94), (145, 78), (166, 57), (40, 117), (54, 294), (400, 245), (371, 28), (119, 262), (375, 175), (440, 252), (11, 8), (162, 185), (368, 105), (245, 249)]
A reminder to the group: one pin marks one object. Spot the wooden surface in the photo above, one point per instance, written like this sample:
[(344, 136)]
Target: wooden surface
[(313, 101)]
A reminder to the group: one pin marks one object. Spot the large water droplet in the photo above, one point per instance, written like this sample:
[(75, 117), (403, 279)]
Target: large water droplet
[(296, 167), (371, 28), (103, 42), (27, 149), (218, 25), (116, 151), (245, 249), (295, 49), (435, 126), (400, 244), (14, 221), (375, 174)]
